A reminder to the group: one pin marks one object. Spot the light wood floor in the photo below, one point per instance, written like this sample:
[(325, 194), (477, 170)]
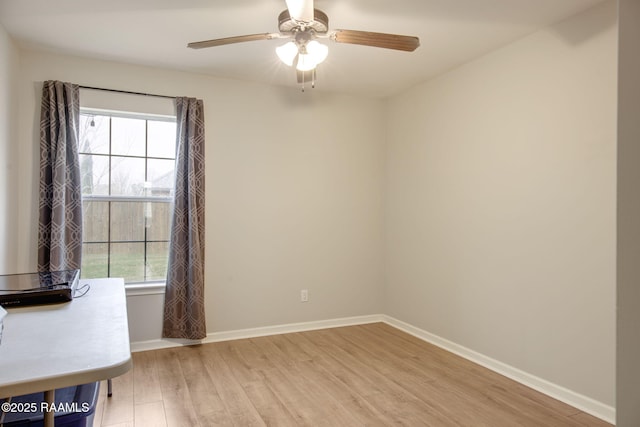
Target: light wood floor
[(371, 375)]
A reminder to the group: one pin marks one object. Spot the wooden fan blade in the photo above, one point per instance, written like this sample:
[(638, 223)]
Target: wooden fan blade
[(300, 10), (231, 40), (366, 38)]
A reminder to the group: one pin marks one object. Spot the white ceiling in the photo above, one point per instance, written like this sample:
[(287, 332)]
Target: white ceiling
[(156, 32)]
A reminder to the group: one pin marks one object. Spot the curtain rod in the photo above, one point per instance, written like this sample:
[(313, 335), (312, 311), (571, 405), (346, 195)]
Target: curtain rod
[(126, 91)]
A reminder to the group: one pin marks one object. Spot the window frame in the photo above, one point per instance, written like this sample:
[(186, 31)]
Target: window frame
[(133, 287)]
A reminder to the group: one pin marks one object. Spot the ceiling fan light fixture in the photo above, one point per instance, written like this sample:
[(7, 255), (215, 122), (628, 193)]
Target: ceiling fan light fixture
[(305, 62), (318, 51), (310, 55), (287, 53)]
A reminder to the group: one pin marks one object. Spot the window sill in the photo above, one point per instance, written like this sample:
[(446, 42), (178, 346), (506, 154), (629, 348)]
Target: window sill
[(156, 288)]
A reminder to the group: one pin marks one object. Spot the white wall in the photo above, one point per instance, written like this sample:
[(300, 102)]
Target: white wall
[(9, 63), (500, 206), (628, 350), (293, 187)]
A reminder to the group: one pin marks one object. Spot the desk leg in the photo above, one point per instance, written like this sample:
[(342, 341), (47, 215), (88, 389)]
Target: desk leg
[(49, 398)]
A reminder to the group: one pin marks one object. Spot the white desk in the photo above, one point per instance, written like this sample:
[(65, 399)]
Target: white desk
[(62, 345)]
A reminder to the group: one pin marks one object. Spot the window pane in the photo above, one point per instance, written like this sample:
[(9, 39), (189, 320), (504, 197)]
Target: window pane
[(95, 260), (94, 172), (127, 176), (161, 139), (128, 136), (160, 177), (126, 156), (94, 134), (158, 221), (95, 224), (127, 261), (127, 221), (157, 259)]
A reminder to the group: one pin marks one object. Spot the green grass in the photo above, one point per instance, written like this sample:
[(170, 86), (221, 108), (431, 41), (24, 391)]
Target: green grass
[(128, 266)]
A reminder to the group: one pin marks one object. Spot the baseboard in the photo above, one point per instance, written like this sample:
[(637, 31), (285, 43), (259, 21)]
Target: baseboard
[(159, 344), (584, 403), (258, 332), (292, 327)]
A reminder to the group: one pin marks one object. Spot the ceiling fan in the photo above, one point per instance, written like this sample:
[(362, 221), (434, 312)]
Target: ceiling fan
[(303, 25)]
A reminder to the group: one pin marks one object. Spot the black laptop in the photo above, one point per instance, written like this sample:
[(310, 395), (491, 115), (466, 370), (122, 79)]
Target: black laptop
[(53, 287)]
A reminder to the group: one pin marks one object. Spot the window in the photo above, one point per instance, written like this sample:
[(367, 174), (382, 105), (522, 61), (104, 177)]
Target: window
[(127, 166)]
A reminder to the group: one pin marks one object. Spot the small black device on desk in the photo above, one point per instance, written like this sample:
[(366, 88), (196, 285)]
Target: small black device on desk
[(17, 290)]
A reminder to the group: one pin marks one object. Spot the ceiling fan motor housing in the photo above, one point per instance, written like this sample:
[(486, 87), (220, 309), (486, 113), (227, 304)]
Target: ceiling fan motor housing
[(320, 23)]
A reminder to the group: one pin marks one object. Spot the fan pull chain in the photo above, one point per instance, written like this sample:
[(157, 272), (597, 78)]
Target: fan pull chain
[(313, 79)]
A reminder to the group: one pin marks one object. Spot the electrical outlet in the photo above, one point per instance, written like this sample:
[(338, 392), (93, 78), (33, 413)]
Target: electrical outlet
[(304, 295)]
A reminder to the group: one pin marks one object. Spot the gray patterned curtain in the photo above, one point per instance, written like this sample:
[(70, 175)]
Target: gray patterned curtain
[(184, 298), (60, 224)]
